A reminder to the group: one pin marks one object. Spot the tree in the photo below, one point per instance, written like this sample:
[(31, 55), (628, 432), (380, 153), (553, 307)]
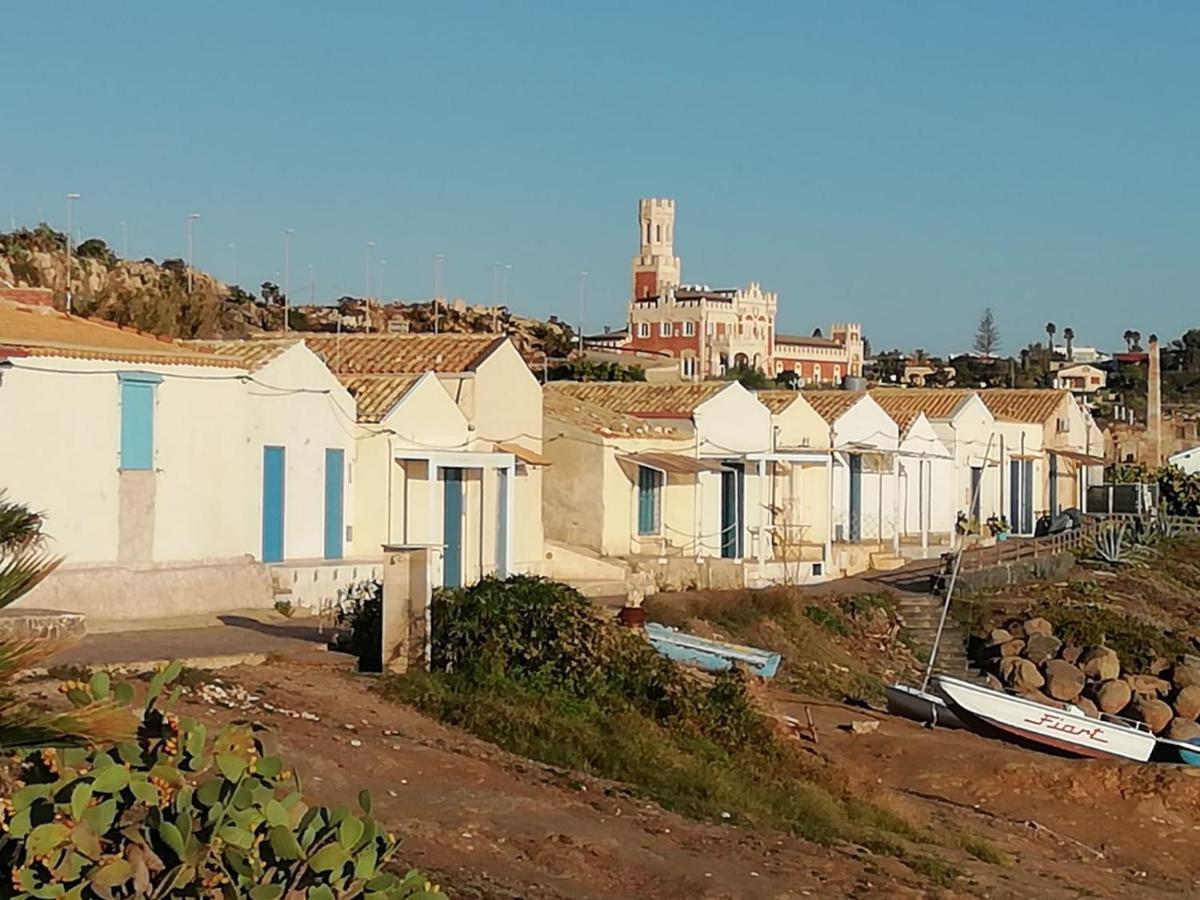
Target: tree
[(987, 335), (271, 294), (1136, 336), (1069, 337), (788, 380), (751, 378), (1051, 329), (1128, 336)]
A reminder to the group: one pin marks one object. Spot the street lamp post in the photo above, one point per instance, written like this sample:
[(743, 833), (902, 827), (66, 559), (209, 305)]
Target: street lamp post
[(582, 282), (233, 251), (382, 289), (71, 198), (438, 259), (287, 274), (192, 217), (370, 247), (496, 297)]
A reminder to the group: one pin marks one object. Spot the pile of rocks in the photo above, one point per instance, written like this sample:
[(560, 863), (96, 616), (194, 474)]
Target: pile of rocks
[(1026, 657)]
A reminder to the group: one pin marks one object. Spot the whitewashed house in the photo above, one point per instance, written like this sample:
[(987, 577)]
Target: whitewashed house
[(147, 458)]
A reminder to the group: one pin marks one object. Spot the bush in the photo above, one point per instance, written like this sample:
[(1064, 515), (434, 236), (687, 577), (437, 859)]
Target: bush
[(174, 814), (360, 617)]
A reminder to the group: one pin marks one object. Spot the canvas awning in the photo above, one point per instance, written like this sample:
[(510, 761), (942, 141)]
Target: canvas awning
[(672, 463), (1081, 458), (524, 454), (1024, 457)]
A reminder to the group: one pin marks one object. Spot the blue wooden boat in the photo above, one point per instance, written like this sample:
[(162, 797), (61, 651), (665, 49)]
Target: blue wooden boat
[(710, 655), (1186, 752)]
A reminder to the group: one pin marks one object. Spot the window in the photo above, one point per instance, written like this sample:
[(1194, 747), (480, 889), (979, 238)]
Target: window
[(650, 482), (643, 329), (689, 365), (689, 329), (664, 329), (837, 372), (137, 419), (816, 372)]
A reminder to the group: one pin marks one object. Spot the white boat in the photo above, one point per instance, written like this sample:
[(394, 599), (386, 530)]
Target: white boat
[(1067, 728), (924, 707)]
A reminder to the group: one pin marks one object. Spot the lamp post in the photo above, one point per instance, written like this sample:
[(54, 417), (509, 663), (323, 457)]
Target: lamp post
[(582, 282), (192, 217), (233, 251), (71, 198), (287, 274), (382, 282), (496, 297), (438, 259), (370, 247)]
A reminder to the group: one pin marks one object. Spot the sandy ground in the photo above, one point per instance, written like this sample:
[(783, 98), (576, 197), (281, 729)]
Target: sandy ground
[(487, 824)]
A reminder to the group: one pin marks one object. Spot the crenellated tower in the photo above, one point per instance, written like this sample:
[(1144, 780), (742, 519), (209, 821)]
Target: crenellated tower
[(656, 267)]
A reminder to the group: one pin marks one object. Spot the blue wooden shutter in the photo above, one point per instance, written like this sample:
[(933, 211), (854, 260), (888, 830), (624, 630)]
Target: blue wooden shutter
[(649, 482), (274, 469), (335, 516), (137, 419)]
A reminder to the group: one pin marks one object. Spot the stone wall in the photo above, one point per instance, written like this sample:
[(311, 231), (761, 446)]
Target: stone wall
[(1044, 568)]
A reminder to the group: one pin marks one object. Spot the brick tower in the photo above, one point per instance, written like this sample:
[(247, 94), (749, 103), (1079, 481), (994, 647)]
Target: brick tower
[(656, 267)]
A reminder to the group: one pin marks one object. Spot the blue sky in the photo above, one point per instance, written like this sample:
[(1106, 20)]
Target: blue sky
[(902, 164)]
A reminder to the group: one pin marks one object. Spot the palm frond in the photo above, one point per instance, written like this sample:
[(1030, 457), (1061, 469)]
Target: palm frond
[(22, 570), (19, 525), (23, 727)]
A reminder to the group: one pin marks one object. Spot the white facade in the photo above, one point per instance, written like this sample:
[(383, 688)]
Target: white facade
[(866, 445), (926, 483), (1188, 460)]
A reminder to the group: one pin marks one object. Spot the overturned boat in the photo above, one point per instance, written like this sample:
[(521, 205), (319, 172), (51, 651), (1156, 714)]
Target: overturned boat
[(1066, 728), (923, 706), (708, 654)]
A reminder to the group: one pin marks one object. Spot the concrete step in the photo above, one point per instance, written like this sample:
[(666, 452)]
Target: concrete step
[(885, 561), (598, 587)]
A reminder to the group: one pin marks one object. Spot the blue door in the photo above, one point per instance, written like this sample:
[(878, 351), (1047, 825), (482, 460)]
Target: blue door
[(272, 504), (335, 516), (855, 498), (452, 527)]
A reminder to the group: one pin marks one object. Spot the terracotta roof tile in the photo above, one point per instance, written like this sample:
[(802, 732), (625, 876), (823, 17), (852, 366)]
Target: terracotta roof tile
[(777, 401), (252, 355), (42, 331), (399, 354), (936, 403), (832, 405), (640, 398), (1031, 405), (376, 395), (561, 407)]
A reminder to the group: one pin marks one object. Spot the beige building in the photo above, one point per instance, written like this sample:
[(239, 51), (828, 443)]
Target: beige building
[(1081, 379), (449, 449)]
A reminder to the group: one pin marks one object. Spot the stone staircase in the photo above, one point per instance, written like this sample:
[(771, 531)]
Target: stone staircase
[(921, 614)]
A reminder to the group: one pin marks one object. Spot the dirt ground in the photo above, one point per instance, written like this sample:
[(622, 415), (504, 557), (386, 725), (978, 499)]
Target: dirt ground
[(487, 824)]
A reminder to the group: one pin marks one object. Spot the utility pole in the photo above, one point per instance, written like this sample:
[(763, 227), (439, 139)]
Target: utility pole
[(496, 297), (192, 217), (312, 286), (287, 274), (438, 259), (71, 198), (582, 282), (370, 247)]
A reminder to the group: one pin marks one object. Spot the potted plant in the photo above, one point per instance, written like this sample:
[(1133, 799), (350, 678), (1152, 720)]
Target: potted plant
[(639, 583), (998, 525)]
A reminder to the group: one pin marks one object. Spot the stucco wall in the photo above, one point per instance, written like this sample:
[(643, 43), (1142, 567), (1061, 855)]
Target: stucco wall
[(573, 506)]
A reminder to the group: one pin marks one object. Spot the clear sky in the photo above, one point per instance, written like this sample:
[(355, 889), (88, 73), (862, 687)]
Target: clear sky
[(902, 164)]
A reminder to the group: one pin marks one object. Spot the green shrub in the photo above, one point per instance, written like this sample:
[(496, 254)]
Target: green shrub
[(172, 813), (828, 619), (360, 619)]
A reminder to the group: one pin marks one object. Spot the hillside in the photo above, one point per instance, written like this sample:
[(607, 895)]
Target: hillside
[(153, 296)]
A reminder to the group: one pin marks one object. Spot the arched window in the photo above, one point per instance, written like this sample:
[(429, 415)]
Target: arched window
[(816, 372)]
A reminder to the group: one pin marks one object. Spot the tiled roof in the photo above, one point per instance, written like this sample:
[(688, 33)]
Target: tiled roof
[(936, 403), (832, 405), (252, 355), (1032, 405), (376, 395), (41, 331), (400, 354), (777, 401), (561, 407), (640, 398)]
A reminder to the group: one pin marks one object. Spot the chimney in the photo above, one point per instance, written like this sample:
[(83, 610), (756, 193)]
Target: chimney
[(1154, 402)]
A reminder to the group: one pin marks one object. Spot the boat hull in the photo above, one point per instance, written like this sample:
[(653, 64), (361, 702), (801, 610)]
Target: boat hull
[(1061, 729), (921, 706), (710, 655)]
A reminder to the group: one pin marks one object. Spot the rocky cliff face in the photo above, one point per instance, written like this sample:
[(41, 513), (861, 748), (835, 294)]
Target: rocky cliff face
[(154, 297)]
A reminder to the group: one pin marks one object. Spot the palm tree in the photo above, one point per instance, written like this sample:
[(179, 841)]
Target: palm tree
[(1128, 336), (1050, 330), (1069, 337), (1136, 337), (24, 563)]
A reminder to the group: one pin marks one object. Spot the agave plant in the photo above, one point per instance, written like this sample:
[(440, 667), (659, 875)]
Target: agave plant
[(25, 563), (1110, 543)]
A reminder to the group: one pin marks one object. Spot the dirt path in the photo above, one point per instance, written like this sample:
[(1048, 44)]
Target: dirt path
[(491, 825)]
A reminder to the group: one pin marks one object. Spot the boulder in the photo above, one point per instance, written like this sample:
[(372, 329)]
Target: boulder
[(1071, 653), (1112, 696), (1020, 674), (1187, 702), (1041, 647), (1063, 680), (993, 682), (1101, 663), (1038, 625), (998, 636), (1156, 714), (1088, 707), (1012, 648), (1160, 667), (1185, 675), (1016, 628), (1148, 686), (1182, 729)]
